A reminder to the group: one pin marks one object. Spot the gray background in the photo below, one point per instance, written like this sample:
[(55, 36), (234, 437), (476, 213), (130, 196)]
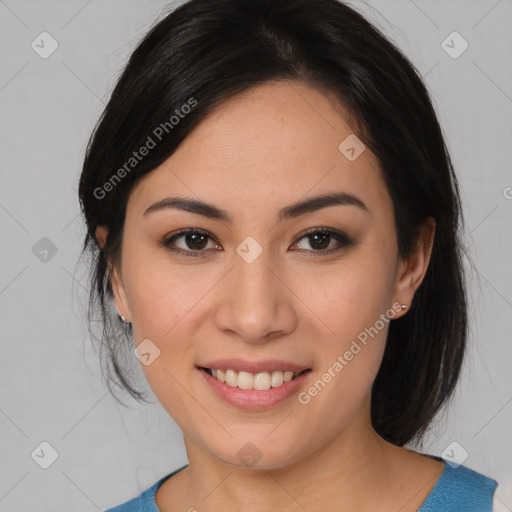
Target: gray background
[(50, 382)]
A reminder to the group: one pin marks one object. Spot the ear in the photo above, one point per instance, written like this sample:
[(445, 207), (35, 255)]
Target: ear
[(412, 271), (115, 276), (101, 235)]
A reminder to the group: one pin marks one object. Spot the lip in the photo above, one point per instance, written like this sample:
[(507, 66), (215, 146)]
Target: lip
[(252, 399), (242, 365)]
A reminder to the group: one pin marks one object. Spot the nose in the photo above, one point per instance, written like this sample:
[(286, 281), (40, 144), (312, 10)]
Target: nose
[(254, 301)]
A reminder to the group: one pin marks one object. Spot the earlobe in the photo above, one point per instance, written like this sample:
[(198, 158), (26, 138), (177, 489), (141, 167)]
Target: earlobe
[(120, 295), (412, 271)]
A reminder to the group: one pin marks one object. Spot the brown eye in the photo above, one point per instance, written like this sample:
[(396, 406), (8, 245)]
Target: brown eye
[(321, 240), (194, 242)]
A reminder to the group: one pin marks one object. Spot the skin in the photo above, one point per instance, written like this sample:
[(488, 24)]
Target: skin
[(255, 154)]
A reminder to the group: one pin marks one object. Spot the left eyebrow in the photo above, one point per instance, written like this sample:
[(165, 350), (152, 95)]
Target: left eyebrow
[(323, 201), (294, 210)]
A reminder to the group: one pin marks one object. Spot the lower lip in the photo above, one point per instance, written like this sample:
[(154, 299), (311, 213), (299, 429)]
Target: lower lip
[(252, 399)]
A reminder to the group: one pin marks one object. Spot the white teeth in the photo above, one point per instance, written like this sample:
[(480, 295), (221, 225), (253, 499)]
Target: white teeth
[(259, 381), (277, 379), (245, 380), (262, 381), (231, 378)]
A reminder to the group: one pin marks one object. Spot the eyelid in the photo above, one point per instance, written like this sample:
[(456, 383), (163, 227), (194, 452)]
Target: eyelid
[(167, 240), (343, 239)]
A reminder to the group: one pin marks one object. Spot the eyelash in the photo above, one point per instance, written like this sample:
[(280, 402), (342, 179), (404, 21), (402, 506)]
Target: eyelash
[(342, 238)]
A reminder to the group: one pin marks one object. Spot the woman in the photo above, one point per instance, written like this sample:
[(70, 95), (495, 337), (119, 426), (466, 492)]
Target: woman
[(270, 203)]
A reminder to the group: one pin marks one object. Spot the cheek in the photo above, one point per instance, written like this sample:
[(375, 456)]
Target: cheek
[(353, 299), (351, 296), (358, 319), (169, 303), (162, 294)]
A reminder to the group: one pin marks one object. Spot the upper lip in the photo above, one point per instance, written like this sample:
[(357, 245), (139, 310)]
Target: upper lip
[(266, 365)]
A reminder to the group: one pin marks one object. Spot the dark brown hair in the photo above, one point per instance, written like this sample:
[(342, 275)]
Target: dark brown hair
[(211, 51)]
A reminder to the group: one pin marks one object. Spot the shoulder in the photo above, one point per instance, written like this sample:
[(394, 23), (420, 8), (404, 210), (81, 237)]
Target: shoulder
[(145, 501), (460, 488), (128, 506), (141, 503)]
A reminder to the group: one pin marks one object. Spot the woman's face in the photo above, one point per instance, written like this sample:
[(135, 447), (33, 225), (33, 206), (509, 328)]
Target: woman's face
[(255, 291)]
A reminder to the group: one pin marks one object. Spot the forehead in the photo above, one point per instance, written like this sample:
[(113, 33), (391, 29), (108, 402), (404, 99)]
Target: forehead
[(265, 148)]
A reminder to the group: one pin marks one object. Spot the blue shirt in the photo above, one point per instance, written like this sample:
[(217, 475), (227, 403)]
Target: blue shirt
[(457, 490)]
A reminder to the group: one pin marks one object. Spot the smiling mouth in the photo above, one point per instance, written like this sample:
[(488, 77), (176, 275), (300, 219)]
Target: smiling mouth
[(258, 381)]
